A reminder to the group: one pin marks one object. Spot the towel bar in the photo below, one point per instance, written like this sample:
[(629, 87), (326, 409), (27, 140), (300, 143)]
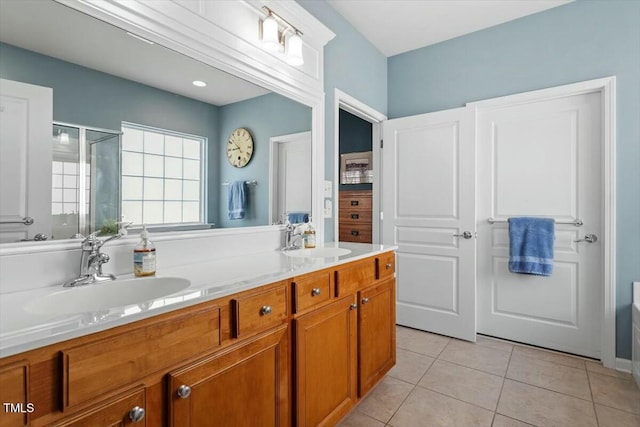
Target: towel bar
[(253, 182), (577, 222)]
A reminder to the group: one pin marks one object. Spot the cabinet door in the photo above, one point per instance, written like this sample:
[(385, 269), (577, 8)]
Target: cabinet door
[(14, 396), (126, 410), (376, 334), (326, 363), (244, 385)]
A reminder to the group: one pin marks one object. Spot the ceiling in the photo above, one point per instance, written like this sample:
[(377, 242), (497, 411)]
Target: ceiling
[(61, 32), (397, 26)]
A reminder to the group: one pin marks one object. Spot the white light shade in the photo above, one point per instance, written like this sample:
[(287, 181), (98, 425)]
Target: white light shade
[(270, 34), (294, 51)]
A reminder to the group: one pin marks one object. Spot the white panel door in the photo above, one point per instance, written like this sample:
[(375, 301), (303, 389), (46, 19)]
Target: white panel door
[(428, 192), (291, 174), (26, 114), (541, 157)]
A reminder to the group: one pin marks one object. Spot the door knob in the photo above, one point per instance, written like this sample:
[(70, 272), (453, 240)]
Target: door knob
[(466, 235), (589, 238)]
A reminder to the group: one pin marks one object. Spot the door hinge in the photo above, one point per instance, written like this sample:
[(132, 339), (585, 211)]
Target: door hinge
[(382, 143), (381, 215)]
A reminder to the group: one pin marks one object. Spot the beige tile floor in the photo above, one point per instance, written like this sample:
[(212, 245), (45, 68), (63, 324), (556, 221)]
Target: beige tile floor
[(440, 381)]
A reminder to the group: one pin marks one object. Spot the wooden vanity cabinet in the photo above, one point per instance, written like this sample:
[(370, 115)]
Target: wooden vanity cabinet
[(326, 363), (14, 389), (243, 385)]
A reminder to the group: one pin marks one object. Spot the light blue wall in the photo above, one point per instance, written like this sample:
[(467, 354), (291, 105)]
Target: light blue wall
[(264, 116), (353, 65), (579, 41)]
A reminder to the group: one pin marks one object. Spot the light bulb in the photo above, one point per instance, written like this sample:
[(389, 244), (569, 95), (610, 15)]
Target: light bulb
[(270, 34), (294, 51)]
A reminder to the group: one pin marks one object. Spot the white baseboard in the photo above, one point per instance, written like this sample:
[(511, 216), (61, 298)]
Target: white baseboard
[(623, 365)]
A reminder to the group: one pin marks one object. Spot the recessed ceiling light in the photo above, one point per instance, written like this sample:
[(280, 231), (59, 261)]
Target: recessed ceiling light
[(199, 83)]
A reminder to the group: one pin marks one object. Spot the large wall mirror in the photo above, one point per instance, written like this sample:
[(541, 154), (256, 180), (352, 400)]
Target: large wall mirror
[(133, 136)]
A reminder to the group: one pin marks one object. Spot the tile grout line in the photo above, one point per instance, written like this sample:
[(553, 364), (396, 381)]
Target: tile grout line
[(504, 379), (593, 400)]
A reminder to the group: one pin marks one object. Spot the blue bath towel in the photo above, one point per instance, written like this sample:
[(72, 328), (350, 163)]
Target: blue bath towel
[(298, 217), (531, 245), (237, 195)]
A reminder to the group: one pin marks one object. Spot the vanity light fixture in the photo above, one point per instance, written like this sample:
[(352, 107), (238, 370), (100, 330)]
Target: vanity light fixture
[(275, 40), (199, 83)]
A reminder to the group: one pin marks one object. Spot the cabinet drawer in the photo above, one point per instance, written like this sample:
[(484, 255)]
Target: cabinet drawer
[(357, 233), (116, 412), (352, 216), (260, 311), (14, 380), (92, 369), (355, 200), (311, 289), (355, 276), (385, 265)]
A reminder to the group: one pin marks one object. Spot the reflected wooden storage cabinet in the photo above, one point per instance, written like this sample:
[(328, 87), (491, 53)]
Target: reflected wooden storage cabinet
[(298, 352), (355, 216)]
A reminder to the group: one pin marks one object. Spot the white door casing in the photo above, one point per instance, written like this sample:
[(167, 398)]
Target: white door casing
[(541, 158), (429, 197), (290, 181), (26, 114)]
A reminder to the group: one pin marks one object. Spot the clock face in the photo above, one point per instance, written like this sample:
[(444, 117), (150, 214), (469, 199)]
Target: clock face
[(239, 148)]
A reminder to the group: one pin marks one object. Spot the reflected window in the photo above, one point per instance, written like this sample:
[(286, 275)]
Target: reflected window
[(162, 176)]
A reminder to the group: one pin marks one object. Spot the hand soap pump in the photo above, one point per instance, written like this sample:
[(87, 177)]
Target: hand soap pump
[(310, 236), (144, 255)]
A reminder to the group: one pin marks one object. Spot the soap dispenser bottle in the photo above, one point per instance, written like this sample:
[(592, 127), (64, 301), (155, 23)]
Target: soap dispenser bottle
[(310, 236), (144, 255)]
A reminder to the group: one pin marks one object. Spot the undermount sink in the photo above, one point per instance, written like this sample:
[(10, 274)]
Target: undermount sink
[(103, 296), (317, 252)]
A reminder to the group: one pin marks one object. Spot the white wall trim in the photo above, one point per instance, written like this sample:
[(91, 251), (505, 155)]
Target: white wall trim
[(623, 365), (344, 101), (607, 87)]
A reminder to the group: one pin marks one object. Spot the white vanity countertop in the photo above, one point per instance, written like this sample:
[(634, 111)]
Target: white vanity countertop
[(21, 330)]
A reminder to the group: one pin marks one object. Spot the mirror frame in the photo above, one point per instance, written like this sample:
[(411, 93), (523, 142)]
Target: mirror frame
[(225, 38)]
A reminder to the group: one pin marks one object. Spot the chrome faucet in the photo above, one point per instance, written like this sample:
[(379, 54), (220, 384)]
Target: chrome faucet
[(91, 261), (291, 237)]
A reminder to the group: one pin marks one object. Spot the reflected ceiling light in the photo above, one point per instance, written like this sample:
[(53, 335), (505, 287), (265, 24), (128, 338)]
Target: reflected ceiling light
[(199, 83), (274, 40), (62, 137)]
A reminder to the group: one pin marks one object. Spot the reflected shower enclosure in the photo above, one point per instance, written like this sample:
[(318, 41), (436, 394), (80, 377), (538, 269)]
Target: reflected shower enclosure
[(85, 193)]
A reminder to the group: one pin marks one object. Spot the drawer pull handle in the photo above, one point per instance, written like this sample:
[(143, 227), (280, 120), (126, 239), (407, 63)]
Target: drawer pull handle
[(389, 265), (266, 309), (365, 300), (353, 306), (354, 232), (315, 291), (184, 391), (136, 414), (355, 216), (355, 203)]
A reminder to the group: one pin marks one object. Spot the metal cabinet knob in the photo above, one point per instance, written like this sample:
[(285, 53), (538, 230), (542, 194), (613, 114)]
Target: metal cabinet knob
[(365, 300), (184, 391), (136, 414), (353, 306), (315, 291), (266, 309), (388, 266)]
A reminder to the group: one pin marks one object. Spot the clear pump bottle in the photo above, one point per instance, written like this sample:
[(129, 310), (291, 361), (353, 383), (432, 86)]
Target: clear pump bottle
[(144, 255)]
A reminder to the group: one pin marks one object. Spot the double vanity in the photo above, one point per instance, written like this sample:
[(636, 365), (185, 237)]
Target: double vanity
[(275, 338)]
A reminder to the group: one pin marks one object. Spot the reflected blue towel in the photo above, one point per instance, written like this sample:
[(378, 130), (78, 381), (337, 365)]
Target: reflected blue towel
[(531, 245), (298, 217), (237, 195)]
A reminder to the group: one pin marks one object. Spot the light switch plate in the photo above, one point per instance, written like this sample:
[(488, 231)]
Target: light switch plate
[(328, 208), (328, 189)]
